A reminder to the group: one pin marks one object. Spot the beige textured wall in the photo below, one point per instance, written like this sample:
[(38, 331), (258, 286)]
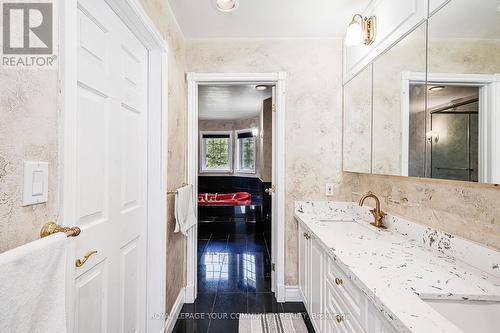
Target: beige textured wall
[(28, 132), (313, 110), (162, 16)]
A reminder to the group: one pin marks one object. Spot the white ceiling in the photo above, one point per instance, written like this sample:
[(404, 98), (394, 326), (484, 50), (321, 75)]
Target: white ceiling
[(230, 102), (446, 96), (440, 98), (266, 18)]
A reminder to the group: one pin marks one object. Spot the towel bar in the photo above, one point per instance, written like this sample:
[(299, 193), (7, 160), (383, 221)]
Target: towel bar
[(172, 192), (51, 228)]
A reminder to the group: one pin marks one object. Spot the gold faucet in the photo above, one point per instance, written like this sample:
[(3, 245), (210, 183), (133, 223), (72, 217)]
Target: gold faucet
[(377, 213)]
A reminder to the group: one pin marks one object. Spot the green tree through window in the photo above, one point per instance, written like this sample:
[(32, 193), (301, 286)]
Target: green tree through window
[(217, 153), (247, 153)]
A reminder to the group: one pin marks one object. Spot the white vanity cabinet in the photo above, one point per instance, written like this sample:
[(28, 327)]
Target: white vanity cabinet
[(332, 299)]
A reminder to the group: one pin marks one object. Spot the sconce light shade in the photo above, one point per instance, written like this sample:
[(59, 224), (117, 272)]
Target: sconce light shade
[(227, 5), (354, 35)]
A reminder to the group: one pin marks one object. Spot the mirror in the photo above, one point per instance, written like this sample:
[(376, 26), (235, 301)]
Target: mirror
[(358, 122), (395, 102), (463, 48), (435, 109)]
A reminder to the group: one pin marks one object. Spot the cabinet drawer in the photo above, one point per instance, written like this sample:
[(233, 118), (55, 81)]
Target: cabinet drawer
[(335, 305), (351, 295)]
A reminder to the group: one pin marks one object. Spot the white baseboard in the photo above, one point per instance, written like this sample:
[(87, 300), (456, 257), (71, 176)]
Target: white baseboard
[(292, 294), (174, 312), (189, 294)]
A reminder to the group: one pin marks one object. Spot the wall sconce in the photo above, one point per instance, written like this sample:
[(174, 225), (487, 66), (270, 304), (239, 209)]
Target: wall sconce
[(432, 135), (361, 30)]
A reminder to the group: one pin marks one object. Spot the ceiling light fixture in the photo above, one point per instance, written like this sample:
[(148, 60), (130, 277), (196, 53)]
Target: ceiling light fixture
[(361, 30), (436, 88), (227, 5), (261, 87)]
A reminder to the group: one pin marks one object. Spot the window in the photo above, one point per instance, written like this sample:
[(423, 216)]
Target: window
[(216, 152), (245, 143)]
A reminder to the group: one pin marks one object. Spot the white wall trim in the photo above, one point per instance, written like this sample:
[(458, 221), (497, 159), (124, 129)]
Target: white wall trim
[(174, 313), (134, 16), (489, 115), (293, 294), (279, 79)]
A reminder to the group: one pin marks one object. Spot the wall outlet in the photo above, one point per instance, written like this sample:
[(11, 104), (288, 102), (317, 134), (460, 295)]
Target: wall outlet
[(329, 189)]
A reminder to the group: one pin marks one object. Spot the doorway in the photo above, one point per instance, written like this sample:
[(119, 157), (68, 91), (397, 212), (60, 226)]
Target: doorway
[(430, 104), (246, 213)]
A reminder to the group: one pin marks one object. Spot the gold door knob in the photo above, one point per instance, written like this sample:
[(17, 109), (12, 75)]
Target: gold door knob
[(338, 281), (81, 262), (339, 318), (270, 190)]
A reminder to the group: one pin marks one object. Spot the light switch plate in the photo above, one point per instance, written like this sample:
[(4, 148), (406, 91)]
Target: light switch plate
[(36, 182), (329, 188)]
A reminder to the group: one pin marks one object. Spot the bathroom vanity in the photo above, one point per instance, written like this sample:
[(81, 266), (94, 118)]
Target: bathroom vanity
[(354, 277)]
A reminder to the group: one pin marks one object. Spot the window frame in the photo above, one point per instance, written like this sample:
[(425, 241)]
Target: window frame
[(202, 167), (238, 162)]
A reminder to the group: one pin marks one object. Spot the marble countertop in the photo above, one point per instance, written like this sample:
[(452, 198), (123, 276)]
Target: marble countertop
[(396, 271)]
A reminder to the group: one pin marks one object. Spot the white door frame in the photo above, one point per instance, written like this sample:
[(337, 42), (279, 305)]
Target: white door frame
[(489, 116), (136, 19), (278, 225)]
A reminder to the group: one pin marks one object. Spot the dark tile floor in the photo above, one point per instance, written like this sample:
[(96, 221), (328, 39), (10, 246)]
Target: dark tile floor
[(234, 276)]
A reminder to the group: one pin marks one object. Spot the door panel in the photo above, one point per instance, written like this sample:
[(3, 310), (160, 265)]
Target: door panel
[(91, 296), (130, 287), (91, 147), (111, 169)]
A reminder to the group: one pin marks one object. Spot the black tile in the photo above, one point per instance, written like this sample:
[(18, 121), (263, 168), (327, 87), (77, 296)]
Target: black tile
[(191, 325), (263, 303), (221, 325), (204, 303), (216, 245), (230, 303), (293, 307), (231, 278)]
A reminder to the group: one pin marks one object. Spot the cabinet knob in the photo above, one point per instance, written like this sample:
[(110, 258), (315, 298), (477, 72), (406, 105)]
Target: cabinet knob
[(307, 236), (339, 318), (338, 281)]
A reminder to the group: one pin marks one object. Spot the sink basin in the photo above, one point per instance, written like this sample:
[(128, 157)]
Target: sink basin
[(333, 220), (352, 228), (469, 316)]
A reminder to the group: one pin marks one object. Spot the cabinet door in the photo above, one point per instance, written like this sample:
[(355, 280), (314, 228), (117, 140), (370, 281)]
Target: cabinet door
[(303, 265), (376, 322), (316, 286)]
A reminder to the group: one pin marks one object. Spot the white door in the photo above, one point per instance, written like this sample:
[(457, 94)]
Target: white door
[(110, 163), (274, 206)]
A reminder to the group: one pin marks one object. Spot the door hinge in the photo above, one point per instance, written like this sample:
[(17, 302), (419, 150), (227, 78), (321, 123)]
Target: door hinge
[(273, 108), (273, 267)]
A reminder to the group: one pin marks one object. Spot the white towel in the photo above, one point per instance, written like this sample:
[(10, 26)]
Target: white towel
[(33, 287), (185, 216)]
